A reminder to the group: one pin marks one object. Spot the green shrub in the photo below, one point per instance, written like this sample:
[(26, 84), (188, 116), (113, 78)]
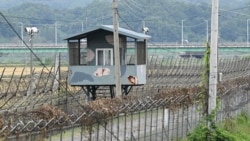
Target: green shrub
[(202, 132), (236, 129)]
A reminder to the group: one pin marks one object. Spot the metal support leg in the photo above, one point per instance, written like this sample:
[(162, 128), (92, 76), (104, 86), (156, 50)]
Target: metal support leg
[(126, 89), (112, 92)]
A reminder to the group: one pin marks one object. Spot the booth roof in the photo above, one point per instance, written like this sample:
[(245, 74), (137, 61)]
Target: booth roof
[(121, 31)]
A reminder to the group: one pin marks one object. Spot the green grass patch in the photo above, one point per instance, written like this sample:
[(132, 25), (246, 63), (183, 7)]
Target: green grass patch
[(231, 129)]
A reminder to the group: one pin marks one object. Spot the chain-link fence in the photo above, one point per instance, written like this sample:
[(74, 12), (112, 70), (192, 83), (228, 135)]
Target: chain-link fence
[(166, 108)]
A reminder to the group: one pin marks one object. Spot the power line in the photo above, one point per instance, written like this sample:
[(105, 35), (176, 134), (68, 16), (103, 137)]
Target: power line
[(230, 17), (140, 6), (239, 8), (131, 10), (54, 20), (13, 29), (223, 10), (195, 24), (136, 5), (124, 21)]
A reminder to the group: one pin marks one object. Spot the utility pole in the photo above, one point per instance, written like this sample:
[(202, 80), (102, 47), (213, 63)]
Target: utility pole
[(213, 74), (86, 20), (31, 31), (117, 50), (182, 32), (247, 32), (207, 30), (21, 32), (55, 33)]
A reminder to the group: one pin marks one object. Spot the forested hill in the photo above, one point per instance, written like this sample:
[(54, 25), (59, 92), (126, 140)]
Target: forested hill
[(165, 19), (69, 4), (57, 4)]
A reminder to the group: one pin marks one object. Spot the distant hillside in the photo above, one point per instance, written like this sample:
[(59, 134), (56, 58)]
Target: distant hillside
[(164, 18), (57, 4), (223, 3), (69, 4)]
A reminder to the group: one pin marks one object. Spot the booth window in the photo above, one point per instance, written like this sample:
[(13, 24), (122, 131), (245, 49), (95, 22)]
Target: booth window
[(73, 53), (104, 57), (83, 53), (141, 53)]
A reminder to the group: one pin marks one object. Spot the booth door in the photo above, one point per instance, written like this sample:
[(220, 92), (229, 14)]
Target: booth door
[(104, 57)]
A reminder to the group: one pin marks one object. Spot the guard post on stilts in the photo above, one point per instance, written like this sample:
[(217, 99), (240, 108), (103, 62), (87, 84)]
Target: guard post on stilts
[(91, 60)]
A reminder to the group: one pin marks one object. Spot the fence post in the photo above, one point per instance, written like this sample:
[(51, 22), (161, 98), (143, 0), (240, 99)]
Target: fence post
[(56, 83)]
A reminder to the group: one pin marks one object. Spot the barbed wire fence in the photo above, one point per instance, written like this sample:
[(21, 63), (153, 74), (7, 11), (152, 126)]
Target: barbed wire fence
[(166, 108)]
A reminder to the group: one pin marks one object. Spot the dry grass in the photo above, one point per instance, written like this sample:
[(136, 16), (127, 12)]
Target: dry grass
[(48, 112), (17, 71), (102, 109)]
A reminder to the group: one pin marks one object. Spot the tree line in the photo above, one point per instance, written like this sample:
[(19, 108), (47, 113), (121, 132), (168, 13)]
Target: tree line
[(167, 20)]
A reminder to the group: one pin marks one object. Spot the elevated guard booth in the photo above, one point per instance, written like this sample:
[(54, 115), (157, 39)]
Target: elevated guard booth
[(91, 59)]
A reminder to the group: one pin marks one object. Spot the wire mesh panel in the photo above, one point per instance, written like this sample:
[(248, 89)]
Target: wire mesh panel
[(166, 108)]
